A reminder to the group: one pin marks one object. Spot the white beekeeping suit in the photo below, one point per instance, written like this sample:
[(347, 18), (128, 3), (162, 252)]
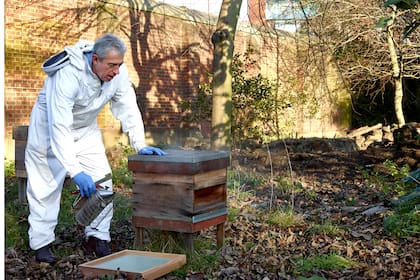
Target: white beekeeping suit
[(64, 137)]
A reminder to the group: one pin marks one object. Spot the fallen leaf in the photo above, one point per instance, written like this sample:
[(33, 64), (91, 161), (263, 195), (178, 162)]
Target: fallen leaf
[(359, 234)]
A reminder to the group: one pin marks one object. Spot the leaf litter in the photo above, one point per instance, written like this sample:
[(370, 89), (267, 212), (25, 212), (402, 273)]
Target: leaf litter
[(333, 192)]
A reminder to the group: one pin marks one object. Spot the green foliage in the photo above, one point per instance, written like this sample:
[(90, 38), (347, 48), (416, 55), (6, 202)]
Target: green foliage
[(396, 183), (204, 257), (15, 217), (255, 103), (329, 262), (285, 218), (121, 175), (200, 108), (9, 168), (122, 207), (351, 201), (404, 219), (411, 5), (391, 179), (400, 223), (66, 216), (15, 213), (396, 172), (413, 177), (237, 178), (238, 184), (233, 213), (402, 4), (383, 21), (165, 241), (287, 187)]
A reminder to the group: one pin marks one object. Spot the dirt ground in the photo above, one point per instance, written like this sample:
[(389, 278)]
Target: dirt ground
[(333, 191)]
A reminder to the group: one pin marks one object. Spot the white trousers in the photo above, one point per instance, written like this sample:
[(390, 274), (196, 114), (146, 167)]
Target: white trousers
[(46, 177)]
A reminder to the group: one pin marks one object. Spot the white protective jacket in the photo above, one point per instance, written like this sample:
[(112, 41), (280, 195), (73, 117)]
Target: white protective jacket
[(64, 137), (77, 99)]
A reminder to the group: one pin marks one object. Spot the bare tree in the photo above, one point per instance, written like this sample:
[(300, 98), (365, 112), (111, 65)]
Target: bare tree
[(400, 10), (370, 58), (223, 39)]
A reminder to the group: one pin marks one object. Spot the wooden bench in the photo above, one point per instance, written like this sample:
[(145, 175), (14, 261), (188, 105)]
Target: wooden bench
[(20, 135)]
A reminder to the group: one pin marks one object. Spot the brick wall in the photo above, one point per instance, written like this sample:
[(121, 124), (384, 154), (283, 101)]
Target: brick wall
[(169, 54), (256, 11), (29, 40), (167, 57)]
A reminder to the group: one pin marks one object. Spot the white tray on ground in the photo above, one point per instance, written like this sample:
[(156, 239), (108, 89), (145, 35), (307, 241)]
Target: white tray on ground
[(132, 263)]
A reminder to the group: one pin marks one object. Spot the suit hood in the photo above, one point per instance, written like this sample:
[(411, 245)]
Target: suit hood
[(70, 55)]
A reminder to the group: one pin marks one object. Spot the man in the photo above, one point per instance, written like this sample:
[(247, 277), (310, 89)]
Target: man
[(64, 138)]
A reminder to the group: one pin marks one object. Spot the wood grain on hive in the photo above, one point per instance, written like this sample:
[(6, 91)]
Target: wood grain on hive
[(183, 191)]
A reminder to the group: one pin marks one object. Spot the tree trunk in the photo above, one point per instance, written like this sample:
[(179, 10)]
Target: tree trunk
[(223, 43), (396, 71)]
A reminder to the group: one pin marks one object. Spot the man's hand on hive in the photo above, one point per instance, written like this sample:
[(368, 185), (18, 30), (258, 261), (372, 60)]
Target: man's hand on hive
[(152, 151)]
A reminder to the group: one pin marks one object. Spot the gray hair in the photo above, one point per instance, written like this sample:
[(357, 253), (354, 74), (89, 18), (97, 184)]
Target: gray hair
[(108, 42)]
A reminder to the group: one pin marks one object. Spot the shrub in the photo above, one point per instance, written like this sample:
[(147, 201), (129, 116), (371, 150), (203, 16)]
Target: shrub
[(254, 100)]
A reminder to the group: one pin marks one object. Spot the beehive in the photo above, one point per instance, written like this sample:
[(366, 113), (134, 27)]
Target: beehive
[(183, 191)]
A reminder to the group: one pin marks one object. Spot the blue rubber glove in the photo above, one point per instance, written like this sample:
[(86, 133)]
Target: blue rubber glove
[(85, 184), (151, 151)]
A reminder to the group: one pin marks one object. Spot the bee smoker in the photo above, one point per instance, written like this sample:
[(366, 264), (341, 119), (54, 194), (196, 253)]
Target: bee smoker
[(91, 211)]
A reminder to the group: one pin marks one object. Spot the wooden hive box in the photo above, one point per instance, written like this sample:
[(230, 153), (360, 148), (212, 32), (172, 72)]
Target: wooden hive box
[(183, 191)]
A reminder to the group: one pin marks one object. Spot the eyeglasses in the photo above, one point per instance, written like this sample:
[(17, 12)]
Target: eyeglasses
[(114, 65)]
